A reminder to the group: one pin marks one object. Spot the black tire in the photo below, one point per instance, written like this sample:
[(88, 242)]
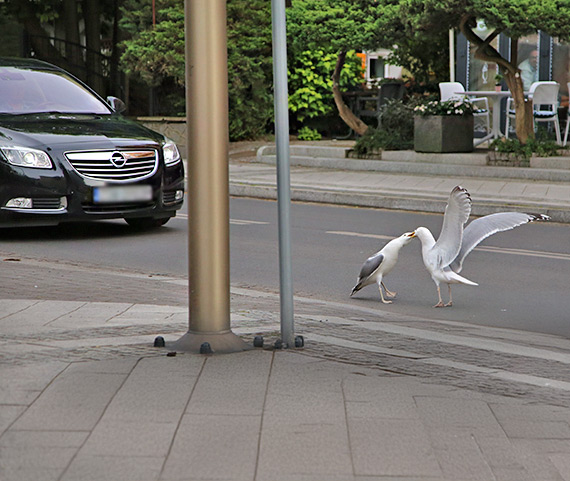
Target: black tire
[(146, 223)]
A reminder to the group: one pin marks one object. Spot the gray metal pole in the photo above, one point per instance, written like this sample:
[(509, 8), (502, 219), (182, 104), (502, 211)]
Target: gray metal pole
[(208, 179), (283, 174)]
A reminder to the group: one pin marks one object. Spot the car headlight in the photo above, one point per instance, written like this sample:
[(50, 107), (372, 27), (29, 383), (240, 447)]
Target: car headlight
[(25, 157), (171, 153)]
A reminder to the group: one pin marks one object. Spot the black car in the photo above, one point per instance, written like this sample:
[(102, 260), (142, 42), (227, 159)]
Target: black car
[(67, 155)]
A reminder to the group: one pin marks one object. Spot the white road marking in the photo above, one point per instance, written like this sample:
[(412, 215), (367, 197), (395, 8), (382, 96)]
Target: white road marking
[(232, 221)]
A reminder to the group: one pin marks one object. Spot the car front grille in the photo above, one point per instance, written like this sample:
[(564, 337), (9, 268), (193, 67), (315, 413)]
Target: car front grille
[(53, 203), (169, 197), (115, 208), (114, 165)]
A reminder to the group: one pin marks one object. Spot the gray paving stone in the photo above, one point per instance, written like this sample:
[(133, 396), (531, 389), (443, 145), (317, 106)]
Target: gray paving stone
[(8, 414), (512, 474), (157, 390), (535, 413), (385, 447), (54, 439), (116, 366), (291, 447), (238, 384), (537, 429), (38, 315), (499, 453), (120, 438), (214, 447), (562, 464), (23, 384), (18, 463), (107, 468), (439, 412), (535, 456), (91, 314), (12, 306), (73, 402), (459, 455), (374, 397)]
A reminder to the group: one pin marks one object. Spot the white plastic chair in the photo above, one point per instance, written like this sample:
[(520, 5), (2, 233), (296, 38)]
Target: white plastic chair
[(567, 122), (544, 97), (449, 91)]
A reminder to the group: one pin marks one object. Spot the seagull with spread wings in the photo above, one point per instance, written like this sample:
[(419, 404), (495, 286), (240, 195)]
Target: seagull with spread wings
[(444, 258)]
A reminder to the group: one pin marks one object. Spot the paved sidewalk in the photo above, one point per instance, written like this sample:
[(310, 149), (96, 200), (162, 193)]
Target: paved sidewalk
[(372, 395), (402, 180)]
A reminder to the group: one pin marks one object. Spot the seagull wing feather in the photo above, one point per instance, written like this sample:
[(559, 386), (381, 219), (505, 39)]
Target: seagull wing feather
[(456, 214), (481, 228), (371, 264)]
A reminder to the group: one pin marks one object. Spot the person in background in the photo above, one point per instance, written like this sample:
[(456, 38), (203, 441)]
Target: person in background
[(529, 70)]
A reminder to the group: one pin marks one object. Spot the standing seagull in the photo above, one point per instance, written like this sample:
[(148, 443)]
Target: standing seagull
[(444, 258), (380, 264)]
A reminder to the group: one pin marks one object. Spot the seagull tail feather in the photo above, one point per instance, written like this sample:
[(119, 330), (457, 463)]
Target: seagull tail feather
[(356, 288), (460, 279)]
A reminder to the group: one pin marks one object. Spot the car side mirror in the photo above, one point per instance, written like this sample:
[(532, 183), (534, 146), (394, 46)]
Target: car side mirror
[(116, 104)]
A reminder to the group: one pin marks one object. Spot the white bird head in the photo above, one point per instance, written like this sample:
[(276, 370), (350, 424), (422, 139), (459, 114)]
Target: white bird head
[(422, 232), (407, 237)]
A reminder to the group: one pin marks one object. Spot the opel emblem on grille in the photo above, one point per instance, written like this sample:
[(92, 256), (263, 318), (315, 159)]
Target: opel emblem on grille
[(118, 159)]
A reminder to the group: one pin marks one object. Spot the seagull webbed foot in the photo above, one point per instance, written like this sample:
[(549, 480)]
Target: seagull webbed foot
[(382, 296), (440, 304), (388, 292)]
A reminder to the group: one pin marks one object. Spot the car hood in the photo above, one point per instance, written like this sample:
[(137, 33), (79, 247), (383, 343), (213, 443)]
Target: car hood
[(74, 131)]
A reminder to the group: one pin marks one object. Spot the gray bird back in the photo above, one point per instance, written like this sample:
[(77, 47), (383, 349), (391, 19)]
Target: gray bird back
[(371, 265)]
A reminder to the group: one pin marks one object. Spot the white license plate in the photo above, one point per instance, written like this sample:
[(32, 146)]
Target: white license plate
[(116, 194)]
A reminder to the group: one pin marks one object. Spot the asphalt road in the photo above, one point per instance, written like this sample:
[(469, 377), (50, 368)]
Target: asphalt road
[(524, 274)]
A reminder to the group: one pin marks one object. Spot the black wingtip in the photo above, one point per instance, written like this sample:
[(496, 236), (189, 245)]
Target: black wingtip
[(458, 188), (539, 217)]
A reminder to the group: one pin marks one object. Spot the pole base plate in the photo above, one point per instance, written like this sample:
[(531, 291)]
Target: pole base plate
[(220, 342)]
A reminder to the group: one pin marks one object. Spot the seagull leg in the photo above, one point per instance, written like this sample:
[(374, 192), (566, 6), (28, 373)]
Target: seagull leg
[(382, 295), (450, 303), (440, 303), (388, 293)]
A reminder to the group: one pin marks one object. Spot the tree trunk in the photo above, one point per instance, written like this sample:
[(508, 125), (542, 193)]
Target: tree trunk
[(344, 111), (115, 74), (39, 38), (524, 121), (72, 46), (92, 17), (484, 51)]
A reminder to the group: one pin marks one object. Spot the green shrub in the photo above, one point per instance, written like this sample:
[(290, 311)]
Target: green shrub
[(310, 83), (395, 130), (539, 146), (306, 133)]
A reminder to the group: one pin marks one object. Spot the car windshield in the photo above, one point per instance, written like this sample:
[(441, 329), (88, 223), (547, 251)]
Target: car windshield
[(29, 91)]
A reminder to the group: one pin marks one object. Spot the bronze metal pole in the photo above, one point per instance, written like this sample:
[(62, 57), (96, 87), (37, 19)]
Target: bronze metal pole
[(208, 179)]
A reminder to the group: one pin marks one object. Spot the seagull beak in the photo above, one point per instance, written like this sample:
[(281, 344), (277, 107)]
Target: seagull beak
[(412, 234)]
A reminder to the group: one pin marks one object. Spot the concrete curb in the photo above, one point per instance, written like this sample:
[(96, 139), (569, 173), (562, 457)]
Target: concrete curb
[(413, 163), (382, 200)]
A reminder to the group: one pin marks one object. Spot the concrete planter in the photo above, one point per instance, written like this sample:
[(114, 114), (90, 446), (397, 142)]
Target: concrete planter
[(443, 133)]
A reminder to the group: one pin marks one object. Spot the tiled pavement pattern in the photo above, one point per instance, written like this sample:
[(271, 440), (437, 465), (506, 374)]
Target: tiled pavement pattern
[(372, 396)]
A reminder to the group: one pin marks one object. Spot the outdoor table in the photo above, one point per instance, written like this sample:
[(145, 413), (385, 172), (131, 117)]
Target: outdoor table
[(496, 103)]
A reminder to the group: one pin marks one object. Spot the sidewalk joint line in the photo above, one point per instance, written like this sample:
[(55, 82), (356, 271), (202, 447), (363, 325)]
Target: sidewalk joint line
[(259, 437), (98, 420), (169, 450)]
